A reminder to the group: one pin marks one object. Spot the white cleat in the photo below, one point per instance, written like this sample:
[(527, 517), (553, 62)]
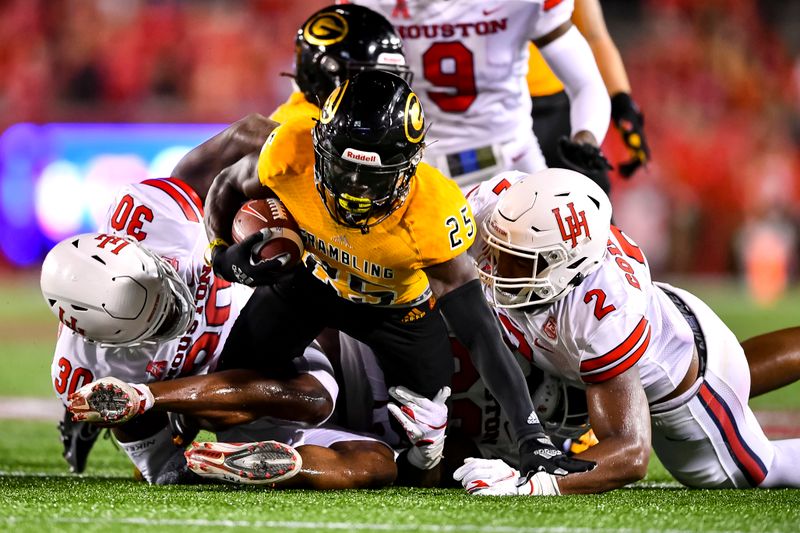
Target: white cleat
[(107, 401), (252, 463)]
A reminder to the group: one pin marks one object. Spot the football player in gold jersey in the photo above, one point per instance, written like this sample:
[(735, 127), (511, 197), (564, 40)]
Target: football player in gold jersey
[(331, 45), (385, 241)]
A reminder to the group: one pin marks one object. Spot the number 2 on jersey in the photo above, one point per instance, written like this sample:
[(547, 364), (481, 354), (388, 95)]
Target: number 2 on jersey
[(450, 66)]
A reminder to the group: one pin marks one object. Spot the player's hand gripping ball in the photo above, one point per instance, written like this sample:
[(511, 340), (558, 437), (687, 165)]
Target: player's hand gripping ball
[(281, 244), (267, 245)]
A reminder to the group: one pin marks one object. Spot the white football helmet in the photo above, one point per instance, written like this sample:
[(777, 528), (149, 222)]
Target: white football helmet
[(557, 218), (114, 291)]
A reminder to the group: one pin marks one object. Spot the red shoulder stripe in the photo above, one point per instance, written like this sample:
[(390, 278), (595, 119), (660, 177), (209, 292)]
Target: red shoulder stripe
[(522, 345), (619, 352), (621, 367), (195, 199), (175, 193), (550, 4)]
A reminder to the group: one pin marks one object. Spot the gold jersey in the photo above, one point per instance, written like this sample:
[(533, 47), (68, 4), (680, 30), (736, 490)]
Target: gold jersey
[(381, 267), (295, 107), (541, 79)]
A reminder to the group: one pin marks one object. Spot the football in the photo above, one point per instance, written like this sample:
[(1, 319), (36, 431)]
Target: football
[(283, 244)]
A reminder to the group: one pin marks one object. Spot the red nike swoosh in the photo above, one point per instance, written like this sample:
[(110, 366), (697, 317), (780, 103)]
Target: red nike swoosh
[(543, 347), (487, 12), (517, 157)]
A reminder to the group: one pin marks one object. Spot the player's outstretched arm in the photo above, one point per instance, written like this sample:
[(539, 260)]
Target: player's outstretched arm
[(223, 399), (620, 418), (463, 305), (774, 360), (245, 136), (569, 56), (627, 117)]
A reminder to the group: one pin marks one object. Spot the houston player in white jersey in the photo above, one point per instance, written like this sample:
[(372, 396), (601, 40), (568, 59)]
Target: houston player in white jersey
[(143, 293), (657, 364), (469, 60)]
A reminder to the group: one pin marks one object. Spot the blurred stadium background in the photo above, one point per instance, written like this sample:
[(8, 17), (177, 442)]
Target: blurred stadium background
[(96, 93)]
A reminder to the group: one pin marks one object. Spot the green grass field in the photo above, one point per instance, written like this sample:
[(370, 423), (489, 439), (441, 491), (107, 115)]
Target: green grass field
[(38, 494)]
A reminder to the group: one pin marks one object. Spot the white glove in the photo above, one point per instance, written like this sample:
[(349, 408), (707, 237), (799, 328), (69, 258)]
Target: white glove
[(424, 421), (109, 401), (493, 477)]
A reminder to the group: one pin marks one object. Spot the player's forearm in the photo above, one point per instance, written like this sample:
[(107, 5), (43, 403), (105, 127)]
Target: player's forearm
[(245, 136), (619, 462), (609, 62), (230, 189), (234, 397), (474, 324)]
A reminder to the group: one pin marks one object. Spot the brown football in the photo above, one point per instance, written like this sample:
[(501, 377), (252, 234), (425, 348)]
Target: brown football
[(283, 243)]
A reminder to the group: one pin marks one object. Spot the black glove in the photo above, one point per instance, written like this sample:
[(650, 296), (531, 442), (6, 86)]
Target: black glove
[(629, 121), (239, 264), (538, 454), (586, 159)]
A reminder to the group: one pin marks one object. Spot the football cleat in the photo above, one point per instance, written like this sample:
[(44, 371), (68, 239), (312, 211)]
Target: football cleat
[(108, 401), (252, 463), (78, 439)]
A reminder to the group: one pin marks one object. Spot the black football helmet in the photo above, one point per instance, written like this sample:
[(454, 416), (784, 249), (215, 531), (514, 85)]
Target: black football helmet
[(336, 42), (367, 144)]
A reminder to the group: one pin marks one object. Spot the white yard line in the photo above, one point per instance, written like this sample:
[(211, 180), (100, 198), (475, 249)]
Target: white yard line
[(22, 408), (348, 526)]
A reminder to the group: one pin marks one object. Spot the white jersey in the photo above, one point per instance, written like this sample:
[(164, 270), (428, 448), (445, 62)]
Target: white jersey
[(615, 319), (470, 60), (167, 217)]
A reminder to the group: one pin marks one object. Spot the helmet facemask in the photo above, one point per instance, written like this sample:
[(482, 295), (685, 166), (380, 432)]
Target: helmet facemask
[(173, 309), (552, 272), (361, 195)]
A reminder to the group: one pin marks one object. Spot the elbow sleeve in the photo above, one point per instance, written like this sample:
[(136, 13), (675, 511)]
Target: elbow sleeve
[(571, 59)]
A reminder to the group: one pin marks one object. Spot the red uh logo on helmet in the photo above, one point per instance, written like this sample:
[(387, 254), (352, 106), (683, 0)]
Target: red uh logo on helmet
[(575, 224)]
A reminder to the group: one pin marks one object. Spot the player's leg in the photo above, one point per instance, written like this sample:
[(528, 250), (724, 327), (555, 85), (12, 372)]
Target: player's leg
[(329, 458), (277, 323), (77, 439), (148, 443), (354, 464), (709, 436), (411, 345), (774, 360)]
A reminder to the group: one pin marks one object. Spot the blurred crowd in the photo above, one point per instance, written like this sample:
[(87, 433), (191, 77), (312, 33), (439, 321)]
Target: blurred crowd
[(719, 86)]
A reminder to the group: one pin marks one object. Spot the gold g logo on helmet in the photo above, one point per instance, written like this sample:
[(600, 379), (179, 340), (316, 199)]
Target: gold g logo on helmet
[(332, 103), (414, 119), (325, 29)]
